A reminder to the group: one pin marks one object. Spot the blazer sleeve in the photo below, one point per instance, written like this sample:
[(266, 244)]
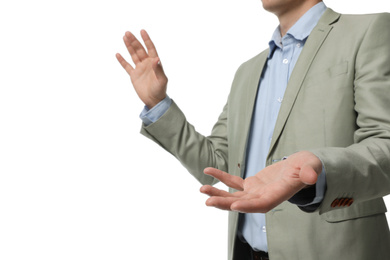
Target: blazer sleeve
[(194, 150), (362, 170)]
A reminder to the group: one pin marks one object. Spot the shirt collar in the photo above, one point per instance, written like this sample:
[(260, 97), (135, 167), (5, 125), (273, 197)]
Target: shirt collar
[(301, 29)]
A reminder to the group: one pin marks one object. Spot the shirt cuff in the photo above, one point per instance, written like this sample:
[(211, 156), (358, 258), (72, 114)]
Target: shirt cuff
[(149, 116)]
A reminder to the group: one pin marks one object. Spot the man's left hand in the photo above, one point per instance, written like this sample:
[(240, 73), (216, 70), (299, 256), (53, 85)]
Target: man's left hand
[(268, 188)]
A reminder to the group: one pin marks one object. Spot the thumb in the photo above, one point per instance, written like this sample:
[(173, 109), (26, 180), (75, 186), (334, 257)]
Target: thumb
[(308, 175), (157, 67)]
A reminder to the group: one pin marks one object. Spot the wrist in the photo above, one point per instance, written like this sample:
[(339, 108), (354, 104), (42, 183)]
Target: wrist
[(152, 102)]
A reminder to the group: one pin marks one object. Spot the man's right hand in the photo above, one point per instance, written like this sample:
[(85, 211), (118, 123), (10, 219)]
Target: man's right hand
[(148, 77)]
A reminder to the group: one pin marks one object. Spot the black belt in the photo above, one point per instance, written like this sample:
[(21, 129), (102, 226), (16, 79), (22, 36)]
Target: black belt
[(259, 255)]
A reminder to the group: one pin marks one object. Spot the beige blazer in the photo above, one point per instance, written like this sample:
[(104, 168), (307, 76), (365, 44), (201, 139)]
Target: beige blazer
[(337, 105)]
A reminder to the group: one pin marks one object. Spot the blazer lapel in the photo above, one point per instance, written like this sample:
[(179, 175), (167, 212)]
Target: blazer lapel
[(313, 44), (252, 86)]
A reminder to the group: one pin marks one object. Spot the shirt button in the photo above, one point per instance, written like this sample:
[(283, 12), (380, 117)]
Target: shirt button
[(298, 45), (285, 61), (264, 229)]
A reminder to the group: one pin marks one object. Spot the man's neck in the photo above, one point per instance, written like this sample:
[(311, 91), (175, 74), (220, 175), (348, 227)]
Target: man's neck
[(289, 16)]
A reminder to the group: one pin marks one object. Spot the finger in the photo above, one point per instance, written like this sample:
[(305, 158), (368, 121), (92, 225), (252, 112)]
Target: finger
[(131, 50), (136, 45), (232, 181), (254, 205), (221, 202), (124, 63), (149, 44), (212, 191)]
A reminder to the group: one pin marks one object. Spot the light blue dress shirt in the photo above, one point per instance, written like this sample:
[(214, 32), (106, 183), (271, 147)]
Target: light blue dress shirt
[(150, 116), (284, 53)]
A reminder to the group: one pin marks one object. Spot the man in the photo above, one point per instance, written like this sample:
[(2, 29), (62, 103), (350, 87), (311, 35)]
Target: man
[(313, 108)]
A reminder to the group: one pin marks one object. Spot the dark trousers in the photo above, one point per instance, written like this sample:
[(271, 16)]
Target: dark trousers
[(243, 251)]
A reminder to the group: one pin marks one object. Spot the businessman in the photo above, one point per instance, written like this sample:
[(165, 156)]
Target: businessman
[(303, 141)]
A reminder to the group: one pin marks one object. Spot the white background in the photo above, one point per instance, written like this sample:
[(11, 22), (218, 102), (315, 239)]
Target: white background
[(77, 180)]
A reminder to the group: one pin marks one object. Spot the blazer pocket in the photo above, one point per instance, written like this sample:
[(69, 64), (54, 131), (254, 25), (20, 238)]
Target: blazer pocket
[(327, 75), (358, 210), (339, 69)]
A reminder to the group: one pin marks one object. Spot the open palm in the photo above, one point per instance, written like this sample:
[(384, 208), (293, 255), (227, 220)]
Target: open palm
[(268, 188), (148, 77)]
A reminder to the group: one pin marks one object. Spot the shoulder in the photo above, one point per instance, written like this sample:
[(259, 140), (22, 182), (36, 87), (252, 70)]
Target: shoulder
[(353, 28), (365, 21)]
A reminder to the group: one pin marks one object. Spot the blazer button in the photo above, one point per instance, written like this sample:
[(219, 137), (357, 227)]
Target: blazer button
[(342, 202), (335, 203)]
